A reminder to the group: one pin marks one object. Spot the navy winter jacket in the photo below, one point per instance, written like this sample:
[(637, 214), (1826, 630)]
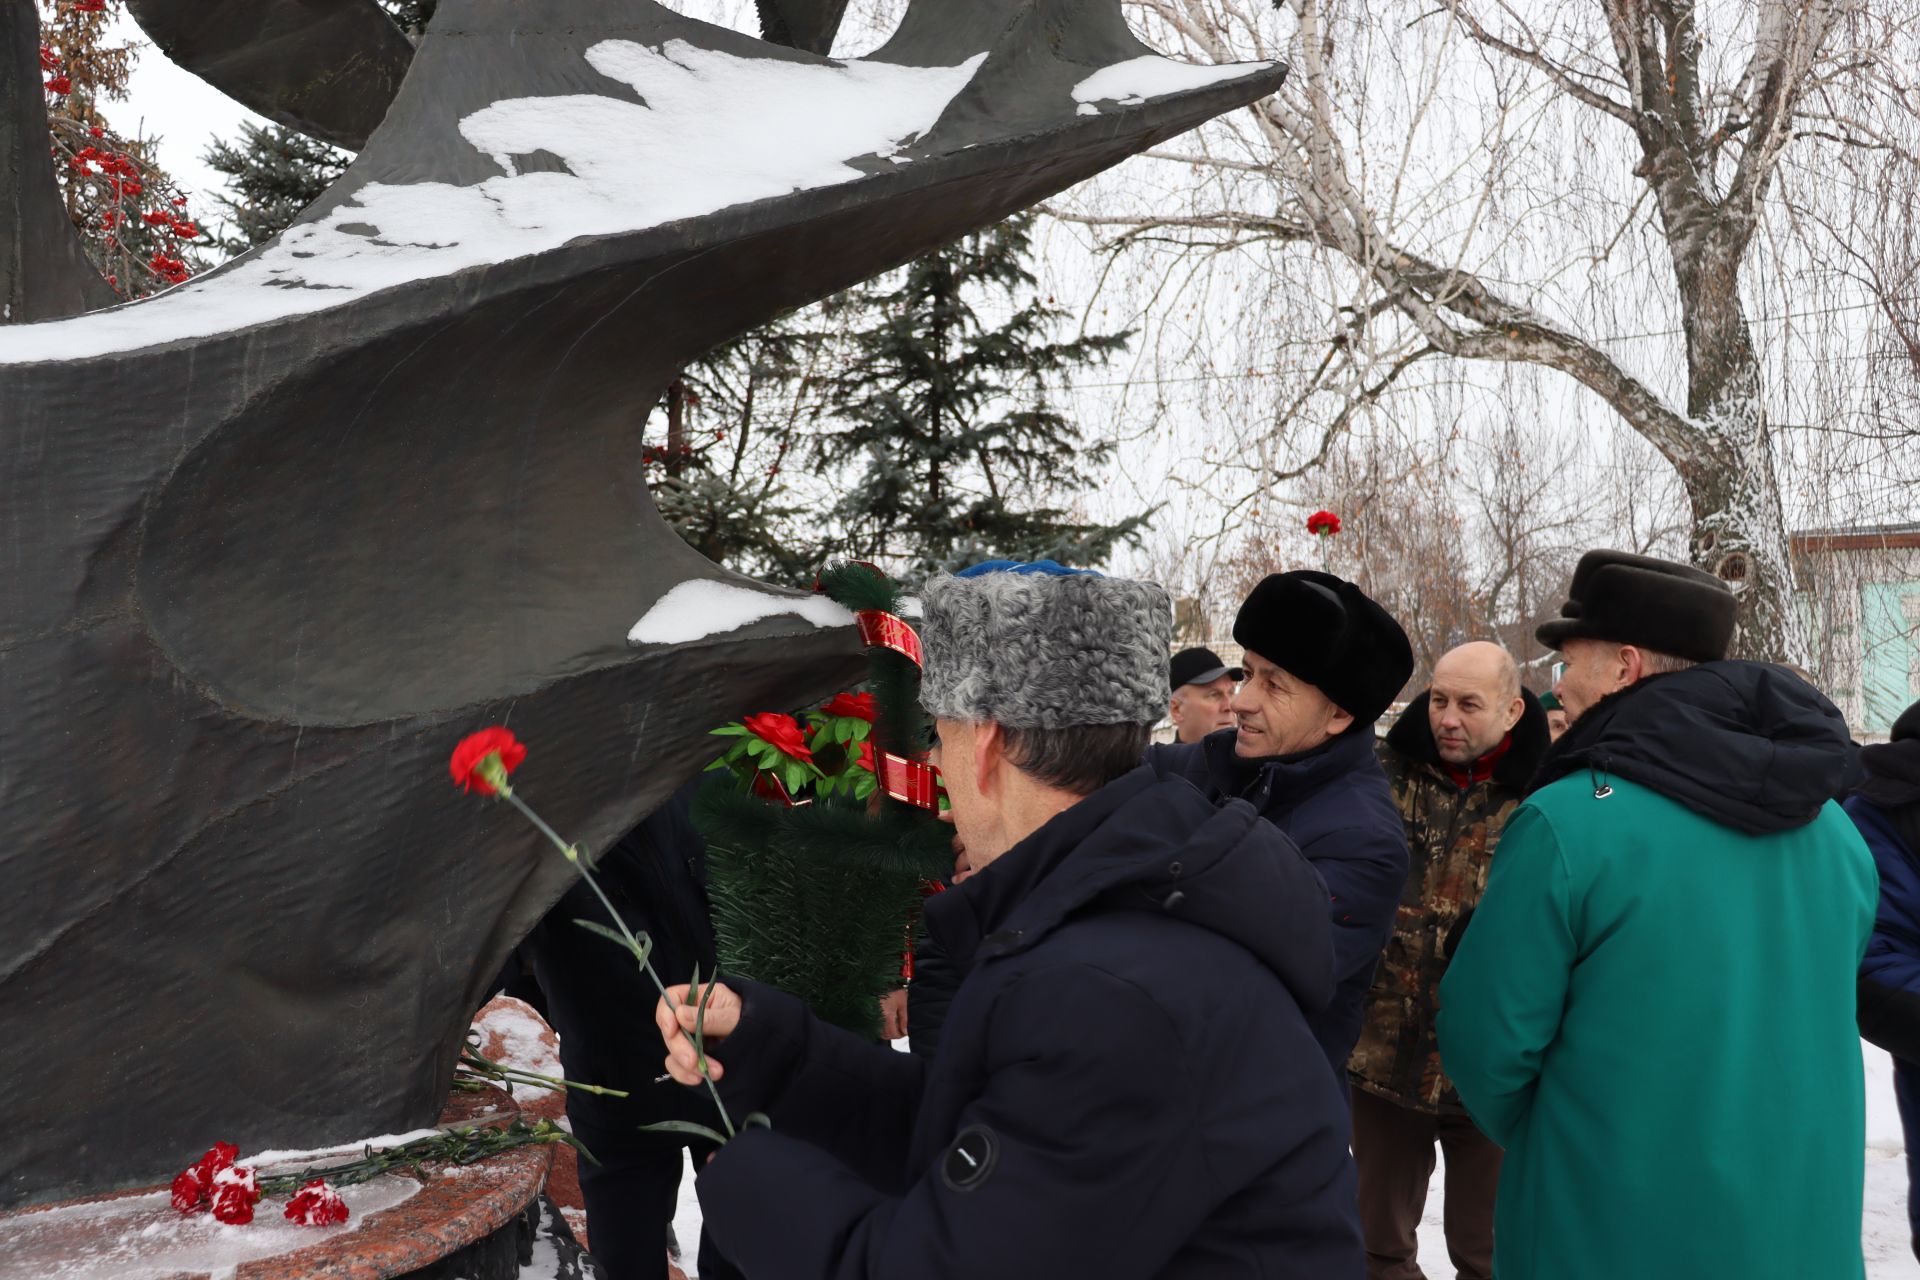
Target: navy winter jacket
[(1335, 803), (1126, 1086), (1889, 991)]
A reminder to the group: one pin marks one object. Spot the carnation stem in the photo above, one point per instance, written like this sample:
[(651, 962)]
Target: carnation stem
[(572, 854), (483, 1066)]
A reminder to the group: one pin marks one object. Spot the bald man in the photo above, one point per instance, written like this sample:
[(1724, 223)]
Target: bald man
[(1457, 760)]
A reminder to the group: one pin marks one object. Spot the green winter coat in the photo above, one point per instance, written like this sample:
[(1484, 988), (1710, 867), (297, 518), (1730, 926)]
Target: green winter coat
[(1653, 1007)]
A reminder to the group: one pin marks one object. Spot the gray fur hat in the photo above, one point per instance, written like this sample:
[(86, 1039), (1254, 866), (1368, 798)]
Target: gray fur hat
[(1032, 650)]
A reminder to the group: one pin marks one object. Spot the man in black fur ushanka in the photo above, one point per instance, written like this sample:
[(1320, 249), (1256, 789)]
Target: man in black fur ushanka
[(1127, 1085), (1323, 662)]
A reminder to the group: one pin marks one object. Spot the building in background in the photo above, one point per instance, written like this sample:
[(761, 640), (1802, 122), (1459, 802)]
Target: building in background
[(1860, 592)]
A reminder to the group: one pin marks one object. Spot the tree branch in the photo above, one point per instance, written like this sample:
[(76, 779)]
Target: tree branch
[(1560, 75)]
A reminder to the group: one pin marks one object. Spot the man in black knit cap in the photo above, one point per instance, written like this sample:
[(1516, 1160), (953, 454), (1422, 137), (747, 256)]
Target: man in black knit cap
[(1323, 663)]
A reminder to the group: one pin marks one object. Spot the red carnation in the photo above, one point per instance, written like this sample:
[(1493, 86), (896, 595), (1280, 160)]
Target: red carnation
[(853, 706), (1323, 524), (234, 1195), (193, 1187), (780, 732), (317, 1205), (474, 750), (189, 1192), (62, 85)]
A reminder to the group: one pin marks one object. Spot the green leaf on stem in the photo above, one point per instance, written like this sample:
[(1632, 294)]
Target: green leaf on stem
[(611, 935), (689, 1127)]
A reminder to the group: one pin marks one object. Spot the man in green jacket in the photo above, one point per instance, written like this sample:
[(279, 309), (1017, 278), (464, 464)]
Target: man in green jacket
[(1653, 1008)]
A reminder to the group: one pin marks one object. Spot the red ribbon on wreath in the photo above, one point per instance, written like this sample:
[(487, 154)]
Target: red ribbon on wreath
[(913, 782), (885, 631)]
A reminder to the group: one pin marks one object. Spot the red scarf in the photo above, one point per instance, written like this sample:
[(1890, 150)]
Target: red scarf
[(1480, 770)]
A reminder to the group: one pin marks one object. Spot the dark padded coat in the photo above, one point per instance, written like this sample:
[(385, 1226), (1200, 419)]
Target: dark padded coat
[(1334, 802), (1127, 1086), (1887, 811)]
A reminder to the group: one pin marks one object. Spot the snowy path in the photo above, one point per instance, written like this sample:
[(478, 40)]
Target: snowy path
[(1884, 1232)]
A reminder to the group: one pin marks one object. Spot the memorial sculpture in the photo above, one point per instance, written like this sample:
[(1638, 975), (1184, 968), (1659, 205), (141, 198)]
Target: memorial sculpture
[(272, 541)]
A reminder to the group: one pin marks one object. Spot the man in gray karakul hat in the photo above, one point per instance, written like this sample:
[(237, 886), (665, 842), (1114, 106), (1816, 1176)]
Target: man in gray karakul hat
[(1126, 1085)]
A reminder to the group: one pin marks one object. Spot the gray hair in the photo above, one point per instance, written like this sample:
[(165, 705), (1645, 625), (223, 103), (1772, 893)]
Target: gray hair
[(1655, 663)]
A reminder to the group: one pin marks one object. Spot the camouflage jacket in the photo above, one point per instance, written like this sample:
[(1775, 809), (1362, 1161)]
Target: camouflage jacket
[(1451, 835)]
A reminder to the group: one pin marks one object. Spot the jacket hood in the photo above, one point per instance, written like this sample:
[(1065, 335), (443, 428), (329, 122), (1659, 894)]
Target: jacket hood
[(1893, 773), (1412, 738), (1144, 843), (1747, 744)]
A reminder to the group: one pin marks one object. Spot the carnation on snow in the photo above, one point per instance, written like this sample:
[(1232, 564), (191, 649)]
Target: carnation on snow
[(317, 1205)]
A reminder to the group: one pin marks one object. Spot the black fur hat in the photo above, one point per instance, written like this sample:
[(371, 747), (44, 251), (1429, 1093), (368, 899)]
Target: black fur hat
[(1653, 604), (1328, 632)]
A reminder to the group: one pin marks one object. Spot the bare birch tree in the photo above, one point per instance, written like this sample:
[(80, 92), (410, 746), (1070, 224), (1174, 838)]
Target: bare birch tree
[(1590, 187)]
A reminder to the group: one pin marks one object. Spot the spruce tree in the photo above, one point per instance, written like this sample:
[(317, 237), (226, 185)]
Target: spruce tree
[(948, 424), (272, 174), (275, 172), (724, 440)]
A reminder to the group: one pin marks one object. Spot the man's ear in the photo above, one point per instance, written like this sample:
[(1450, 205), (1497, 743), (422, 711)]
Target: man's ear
[(989, 759), (1516, 709), (1633, 666), (1339, 720)]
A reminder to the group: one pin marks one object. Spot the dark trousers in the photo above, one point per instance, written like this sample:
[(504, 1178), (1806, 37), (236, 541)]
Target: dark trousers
[(1394, 1149), (1906, 1092), (630, 1199)]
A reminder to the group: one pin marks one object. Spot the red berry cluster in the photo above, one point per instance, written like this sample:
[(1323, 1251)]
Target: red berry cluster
[(110, 185)]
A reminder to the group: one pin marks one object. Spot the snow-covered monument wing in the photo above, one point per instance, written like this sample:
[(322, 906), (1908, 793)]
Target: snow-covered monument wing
[(272, 541)]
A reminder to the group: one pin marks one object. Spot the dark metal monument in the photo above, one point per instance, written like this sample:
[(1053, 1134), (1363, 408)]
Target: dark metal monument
[(271, 542)]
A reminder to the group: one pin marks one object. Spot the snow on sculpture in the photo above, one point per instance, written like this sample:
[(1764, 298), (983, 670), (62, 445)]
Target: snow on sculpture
[(272, 541)]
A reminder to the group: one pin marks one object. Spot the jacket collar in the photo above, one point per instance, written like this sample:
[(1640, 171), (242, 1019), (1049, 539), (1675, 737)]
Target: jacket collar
[(1280, 782), (1411, 738), (1151, 845), (976, 918)]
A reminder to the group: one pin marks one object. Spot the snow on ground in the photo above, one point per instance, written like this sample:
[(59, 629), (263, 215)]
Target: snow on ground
[(697, 609), (1883, 1232)]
